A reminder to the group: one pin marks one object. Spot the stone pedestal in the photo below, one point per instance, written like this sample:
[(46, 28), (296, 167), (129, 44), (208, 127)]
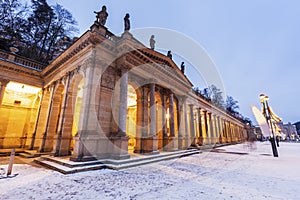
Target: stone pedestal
[(95, 146), (148, 145), (64, 148), (172, 144), (181, 143), (120, 147)]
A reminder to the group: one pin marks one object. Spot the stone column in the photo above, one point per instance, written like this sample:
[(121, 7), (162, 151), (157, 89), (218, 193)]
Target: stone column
[(152, 110), (200, 141), (211, 131), (123, 104), (58, 148), (186, 124), (225, 130), (217, 130), (139, 123), (150, 142), (3, 84), (181, 134), (192, 126), (172, 143), (31, 147), (230, 131), (42, 147), (220, 130), (206, 141), (171, 110)]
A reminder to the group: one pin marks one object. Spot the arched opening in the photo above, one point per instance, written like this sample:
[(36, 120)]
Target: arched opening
[(76, 94), (131, 119), (18, 113), (159, 119), (176, 118)]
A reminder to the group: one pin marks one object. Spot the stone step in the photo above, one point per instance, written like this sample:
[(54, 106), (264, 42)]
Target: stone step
[(31, 154), (67, 167), (26, 155)]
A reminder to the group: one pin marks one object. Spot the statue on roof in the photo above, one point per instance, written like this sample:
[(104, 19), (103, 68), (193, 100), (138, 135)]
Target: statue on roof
[(169, 54), (101, 16), (152, 42), (126, 22), (182, 67)]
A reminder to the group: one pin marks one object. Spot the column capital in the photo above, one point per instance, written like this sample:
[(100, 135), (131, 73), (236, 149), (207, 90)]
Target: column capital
[(4, 82)]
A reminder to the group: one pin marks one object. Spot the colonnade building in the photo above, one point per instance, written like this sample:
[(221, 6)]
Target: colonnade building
[(106, 96)]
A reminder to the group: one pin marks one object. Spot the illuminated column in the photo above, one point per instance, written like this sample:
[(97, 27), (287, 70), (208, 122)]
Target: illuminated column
[(181, 126), (31, 147), (225, 130), (52, 89), (192, 125), (211, 130), (230, 131), (186, 123), (123, 104), (152, 110), (215, 131), (206, 127), (59, 149), (220, 130), (3, 84), (171, 109), (200, 141)]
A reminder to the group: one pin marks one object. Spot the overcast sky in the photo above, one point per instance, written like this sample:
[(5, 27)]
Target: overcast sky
[(255, 44)]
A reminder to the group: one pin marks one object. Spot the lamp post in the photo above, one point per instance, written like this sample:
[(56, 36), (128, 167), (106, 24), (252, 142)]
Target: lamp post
[(266, 112)]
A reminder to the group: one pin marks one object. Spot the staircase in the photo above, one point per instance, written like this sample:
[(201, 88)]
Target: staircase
[(65, 166)]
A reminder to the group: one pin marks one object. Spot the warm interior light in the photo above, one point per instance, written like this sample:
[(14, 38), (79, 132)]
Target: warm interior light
[(167, 116), (17, 87), (131, 98)]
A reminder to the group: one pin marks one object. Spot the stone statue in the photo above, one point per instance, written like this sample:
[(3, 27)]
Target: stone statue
[(126, 22), (182, 67), (169, 54), (101, 16), (152, 42)]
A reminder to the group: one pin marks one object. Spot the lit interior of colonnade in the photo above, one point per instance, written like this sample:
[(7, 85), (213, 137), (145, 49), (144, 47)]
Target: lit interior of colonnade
[(18, 113), (131, 117), (76, 115), (162, 118)]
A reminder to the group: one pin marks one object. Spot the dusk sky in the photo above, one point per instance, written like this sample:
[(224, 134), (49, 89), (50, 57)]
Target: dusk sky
[(255, 44)]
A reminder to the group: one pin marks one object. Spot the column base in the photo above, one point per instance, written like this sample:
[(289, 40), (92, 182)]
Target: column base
[(172, 144), (120, 147), (93, 146), (148, 145), (181, 143)]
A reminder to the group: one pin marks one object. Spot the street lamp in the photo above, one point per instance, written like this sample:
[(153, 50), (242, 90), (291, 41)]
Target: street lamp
[(266, 112)]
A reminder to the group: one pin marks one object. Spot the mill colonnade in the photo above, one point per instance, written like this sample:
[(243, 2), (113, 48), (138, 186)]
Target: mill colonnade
[(104, 97)]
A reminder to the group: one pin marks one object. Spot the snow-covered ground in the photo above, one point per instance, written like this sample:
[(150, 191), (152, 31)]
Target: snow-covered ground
[(234, 172)]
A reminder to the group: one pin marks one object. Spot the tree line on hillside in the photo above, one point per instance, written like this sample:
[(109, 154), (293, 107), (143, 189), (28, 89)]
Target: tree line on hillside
[(215, 96), (36, 30)]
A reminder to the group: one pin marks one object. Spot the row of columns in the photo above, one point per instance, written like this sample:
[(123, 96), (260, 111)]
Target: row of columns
[(212, 129)]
